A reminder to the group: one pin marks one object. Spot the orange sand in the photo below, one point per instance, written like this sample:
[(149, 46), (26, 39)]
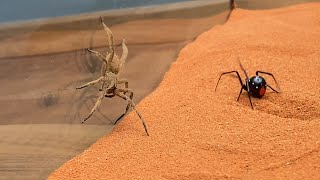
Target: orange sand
[(197, 133)]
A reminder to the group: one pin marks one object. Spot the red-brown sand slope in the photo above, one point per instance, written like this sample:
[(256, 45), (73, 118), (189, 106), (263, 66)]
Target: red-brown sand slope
[(197, 133)]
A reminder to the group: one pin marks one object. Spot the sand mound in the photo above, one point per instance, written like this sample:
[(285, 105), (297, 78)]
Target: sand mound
[(197, 133)]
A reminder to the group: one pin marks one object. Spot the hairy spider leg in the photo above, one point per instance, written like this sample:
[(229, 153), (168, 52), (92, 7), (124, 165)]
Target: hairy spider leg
[(128, 105), (110, 41), (110, 38), (104, 60), (126, 84), (96, 53), (124, 55), (102, 94), (105, 85), (270, 74), (90, 83), (132, 104)]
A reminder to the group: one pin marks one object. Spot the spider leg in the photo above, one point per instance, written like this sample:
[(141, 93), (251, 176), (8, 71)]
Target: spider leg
[(248, 91), (90, 83), (96, 53), (245, 72), (132, 104), (128, 105), (241, 83), (110, 57), (110, 35), (103, 73), (126, 83), (267, 73), (103, 69), (98, 102), (124, 55), (246, 87), (273, 89), (240, 93)]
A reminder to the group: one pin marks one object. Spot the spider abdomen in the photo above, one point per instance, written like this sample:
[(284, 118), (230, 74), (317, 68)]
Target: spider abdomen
[(257, 86)]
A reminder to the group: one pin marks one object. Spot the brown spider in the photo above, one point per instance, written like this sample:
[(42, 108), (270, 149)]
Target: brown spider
[(111, 67)]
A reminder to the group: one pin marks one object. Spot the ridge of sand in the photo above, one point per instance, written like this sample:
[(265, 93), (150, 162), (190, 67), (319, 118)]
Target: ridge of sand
[(197, 133)]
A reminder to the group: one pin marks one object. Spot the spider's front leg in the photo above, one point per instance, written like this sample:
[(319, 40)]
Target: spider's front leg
[(109, 34), (124, 55), (98, 55), (99, 100), (241, 83), (248, 91), (90, 83), (132, 104)]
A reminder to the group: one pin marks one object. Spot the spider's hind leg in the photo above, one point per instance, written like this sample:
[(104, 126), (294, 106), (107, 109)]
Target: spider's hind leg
[(128, 105), (132, 104)]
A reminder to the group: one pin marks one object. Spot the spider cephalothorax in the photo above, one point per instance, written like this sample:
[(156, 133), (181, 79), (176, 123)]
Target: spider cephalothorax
[(256, 86), (111, 67)]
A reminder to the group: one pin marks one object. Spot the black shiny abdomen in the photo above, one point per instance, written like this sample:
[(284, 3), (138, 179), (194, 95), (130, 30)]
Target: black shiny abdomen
[(257, 86)]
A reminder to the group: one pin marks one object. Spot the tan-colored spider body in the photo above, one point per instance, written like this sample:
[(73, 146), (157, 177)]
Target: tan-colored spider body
[(112, 65)]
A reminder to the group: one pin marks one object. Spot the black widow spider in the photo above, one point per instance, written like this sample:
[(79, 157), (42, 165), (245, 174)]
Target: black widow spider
[(255, 86)]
